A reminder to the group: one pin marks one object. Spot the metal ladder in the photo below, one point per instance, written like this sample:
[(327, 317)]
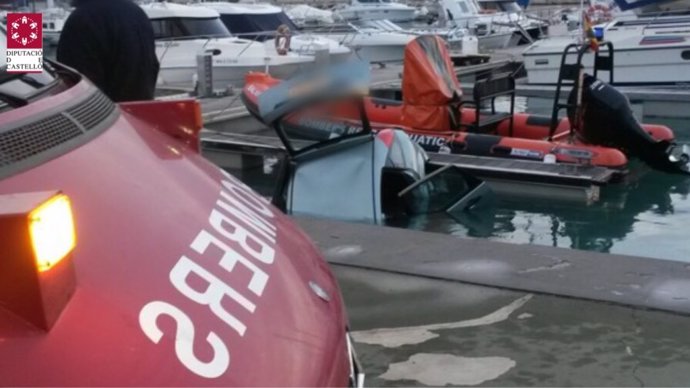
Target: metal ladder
[(574, 72)]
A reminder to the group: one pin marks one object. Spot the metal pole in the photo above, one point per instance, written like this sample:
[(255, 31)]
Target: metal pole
[(582, 19)]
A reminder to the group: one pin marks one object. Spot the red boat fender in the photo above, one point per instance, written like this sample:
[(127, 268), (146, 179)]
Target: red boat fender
[(659, 132)]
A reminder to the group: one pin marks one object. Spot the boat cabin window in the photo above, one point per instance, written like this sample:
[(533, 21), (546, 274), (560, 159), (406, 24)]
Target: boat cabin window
[(256, 26), (463, 7), (500, 6), (188, 28), (334, 29), (509, 6)]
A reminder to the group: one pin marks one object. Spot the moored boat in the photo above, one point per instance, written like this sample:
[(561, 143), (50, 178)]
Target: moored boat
[(183, 32), (652, 48), (375, 10), (432, 112)]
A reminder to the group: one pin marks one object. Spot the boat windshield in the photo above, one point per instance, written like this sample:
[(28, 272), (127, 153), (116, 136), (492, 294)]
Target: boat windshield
[(509, 6), (256, 26), (501, 6), (176, 28)]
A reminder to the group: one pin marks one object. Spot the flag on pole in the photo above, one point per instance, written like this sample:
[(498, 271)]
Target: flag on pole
[(588, 31)]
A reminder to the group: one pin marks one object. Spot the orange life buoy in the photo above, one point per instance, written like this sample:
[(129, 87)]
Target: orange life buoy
[(599, 13)]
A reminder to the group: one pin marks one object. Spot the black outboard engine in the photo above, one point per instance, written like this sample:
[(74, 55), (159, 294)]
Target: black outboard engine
[(608, 121)]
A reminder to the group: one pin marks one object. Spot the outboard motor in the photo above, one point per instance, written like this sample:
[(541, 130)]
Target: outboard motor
[(608, 121)]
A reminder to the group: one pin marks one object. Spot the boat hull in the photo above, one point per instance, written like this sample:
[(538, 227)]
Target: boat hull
[(225, 76), (380, 54), (640, 66), (496, 41)]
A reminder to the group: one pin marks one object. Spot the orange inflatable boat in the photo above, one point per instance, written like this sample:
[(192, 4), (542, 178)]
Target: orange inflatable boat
[(433, 113)]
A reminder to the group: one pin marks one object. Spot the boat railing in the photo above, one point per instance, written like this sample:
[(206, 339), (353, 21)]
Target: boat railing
[(260, 37), (209, 39), (253, 38), (656, 17), (346, 31)]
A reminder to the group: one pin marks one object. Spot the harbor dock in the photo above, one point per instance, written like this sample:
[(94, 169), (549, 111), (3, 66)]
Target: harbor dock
[(434, 310)]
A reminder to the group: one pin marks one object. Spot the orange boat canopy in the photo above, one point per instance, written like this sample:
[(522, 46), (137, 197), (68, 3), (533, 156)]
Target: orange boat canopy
[(429, 84)]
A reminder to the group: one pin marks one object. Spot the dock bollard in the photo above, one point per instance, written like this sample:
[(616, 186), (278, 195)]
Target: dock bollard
[(204, 70)]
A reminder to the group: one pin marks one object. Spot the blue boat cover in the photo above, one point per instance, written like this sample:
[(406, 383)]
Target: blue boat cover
[(626, 5)]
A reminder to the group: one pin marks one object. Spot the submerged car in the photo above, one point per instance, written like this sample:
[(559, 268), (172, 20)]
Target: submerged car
[(129, 260), (341, 168)]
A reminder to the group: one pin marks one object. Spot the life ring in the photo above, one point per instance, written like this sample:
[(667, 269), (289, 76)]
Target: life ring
[(282, 40), (599, 13)]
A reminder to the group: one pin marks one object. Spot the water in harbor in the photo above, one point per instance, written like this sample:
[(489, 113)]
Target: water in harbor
[(649, 217)]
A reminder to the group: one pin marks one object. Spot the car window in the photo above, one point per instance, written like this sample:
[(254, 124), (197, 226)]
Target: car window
[(437, 192)]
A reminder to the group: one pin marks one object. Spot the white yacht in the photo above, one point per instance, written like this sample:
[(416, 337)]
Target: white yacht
[(303, 14), (493, 32), (376, 10), (182, 32), (460, 40), (648, 50), (368, 43), (259, 21), (529, 27)]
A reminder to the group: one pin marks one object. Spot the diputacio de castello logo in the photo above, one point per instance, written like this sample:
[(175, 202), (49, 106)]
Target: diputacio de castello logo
[(24, 43)]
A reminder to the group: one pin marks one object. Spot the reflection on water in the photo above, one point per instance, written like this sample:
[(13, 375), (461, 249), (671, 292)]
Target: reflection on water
[(647, 217)]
